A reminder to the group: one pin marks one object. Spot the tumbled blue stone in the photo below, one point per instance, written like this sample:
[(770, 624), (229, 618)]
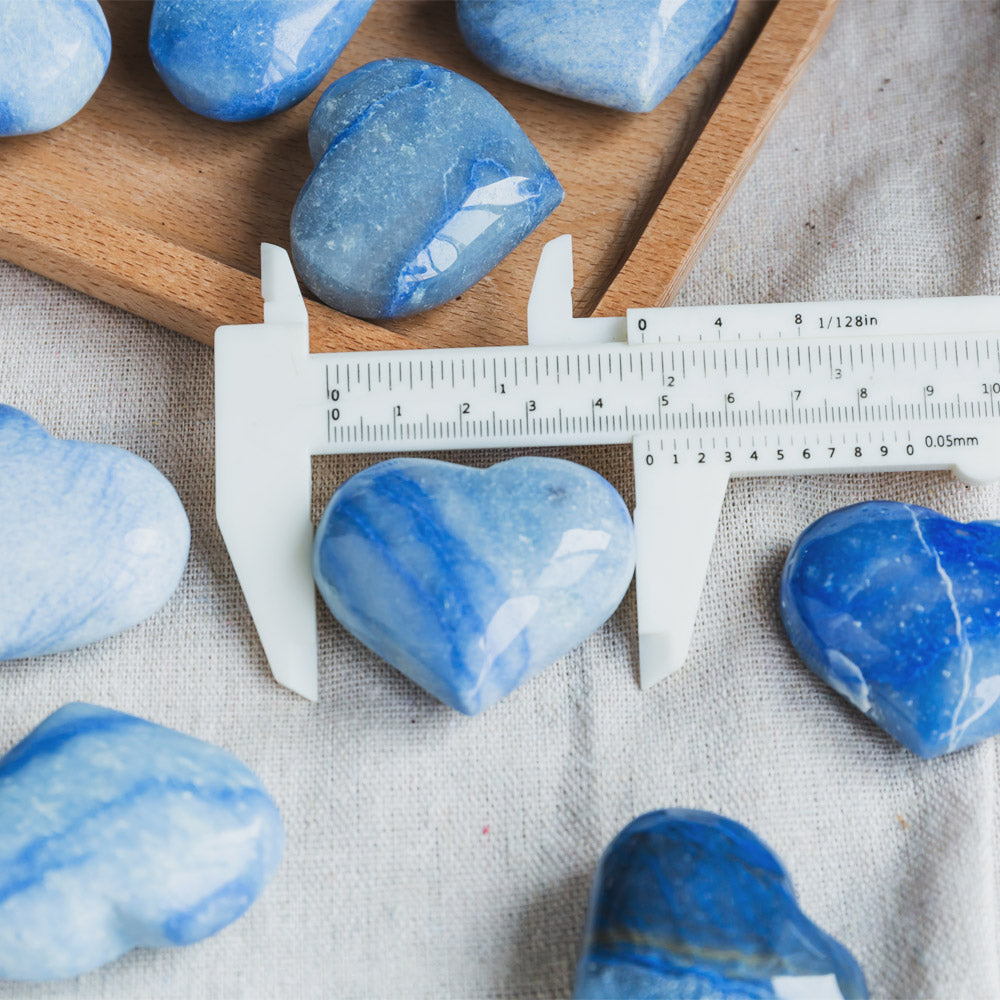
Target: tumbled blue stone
[(53, 54), (423, 183), (626, 54), (118, 834), (93, 539), (470, 581), (688, 904), (241, 61), (898, 608)]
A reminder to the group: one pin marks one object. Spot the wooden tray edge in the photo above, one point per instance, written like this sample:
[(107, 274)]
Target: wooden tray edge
[(184, 280), (685, 218)]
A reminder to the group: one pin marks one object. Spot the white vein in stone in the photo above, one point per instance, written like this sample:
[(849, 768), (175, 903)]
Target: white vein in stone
[(965, 648), (848, 680)]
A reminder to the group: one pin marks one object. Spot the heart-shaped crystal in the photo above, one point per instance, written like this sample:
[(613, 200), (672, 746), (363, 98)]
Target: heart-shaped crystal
[(626, 54), (470, 581), (898, 608), (118, 834), (690, 904), (53, 55), (423, 184), (93, 539)]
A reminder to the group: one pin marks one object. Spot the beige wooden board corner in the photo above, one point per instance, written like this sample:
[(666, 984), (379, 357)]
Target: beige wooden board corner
[(143, 204)]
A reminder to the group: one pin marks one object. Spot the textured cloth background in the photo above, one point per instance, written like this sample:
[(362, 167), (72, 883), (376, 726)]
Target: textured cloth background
[(432, 855)]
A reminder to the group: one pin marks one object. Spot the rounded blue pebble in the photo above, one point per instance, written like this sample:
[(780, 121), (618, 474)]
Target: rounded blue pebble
[(423, 184), (242, 61), (93, 539), (690, 904), (119, 834), (625, 54), (897, 608), (53, 55), (470, 581)]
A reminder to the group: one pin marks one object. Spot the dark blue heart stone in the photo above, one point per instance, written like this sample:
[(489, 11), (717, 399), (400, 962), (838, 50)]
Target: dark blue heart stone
[(898, 608), (691, 905)]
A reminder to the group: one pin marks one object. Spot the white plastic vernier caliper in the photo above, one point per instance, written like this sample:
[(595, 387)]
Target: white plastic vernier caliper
[(702, 393)]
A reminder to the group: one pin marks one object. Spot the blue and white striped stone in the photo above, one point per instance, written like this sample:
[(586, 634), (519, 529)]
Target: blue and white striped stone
[(470, 581), (93, 539), (117, 833)]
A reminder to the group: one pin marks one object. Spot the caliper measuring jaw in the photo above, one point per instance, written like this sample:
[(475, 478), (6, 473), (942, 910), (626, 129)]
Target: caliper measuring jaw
[(676, 510), (265, 392), (263, 471)]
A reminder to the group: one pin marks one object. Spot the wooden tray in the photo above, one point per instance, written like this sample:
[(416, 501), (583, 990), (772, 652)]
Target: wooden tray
[(144, 204)]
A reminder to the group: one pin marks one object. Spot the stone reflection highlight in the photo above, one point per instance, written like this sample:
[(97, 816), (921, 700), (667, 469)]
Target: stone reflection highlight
[(691, 904)]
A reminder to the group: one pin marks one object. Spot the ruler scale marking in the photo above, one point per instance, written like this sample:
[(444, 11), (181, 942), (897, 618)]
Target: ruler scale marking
[(633, 377)]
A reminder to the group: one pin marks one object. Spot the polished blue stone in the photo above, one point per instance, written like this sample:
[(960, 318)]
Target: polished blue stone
[(117, 834), (470, 581), (898, 608), (423, 183), (626, 54), (53, 54), (93, 539), (691, 905), (241, 61)]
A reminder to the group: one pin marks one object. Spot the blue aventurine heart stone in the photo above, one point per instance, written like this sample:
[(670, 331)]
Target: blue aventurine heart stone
[(118, 834), (688, 904), (93, 539), (898, 608), (470, 581), (53, 54), (423, 183), (626, 54), (241, 61)]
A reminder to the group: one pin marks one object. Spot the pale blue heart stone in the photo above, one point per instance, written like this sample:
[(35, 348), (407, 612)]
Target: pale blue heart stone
[(239, 61), (93, 539), (897, 607), (470, 581), (691, 905), (119, 834), (53, 54), (423, 184), (626, 54)]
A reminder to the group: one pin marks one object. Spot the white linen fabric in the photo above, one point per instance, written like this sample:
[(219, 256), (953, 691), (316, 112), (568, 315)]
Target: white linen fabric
[(430, 855)]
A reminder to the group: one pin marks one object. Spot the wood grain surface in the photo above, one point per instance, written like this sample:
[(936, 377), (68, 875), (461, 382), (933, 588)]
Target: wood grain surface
[(141, 203)]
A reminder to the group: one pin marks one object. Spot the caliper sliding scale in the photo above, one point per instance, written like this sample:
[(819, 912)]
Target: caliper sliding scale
[(702, 394)]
